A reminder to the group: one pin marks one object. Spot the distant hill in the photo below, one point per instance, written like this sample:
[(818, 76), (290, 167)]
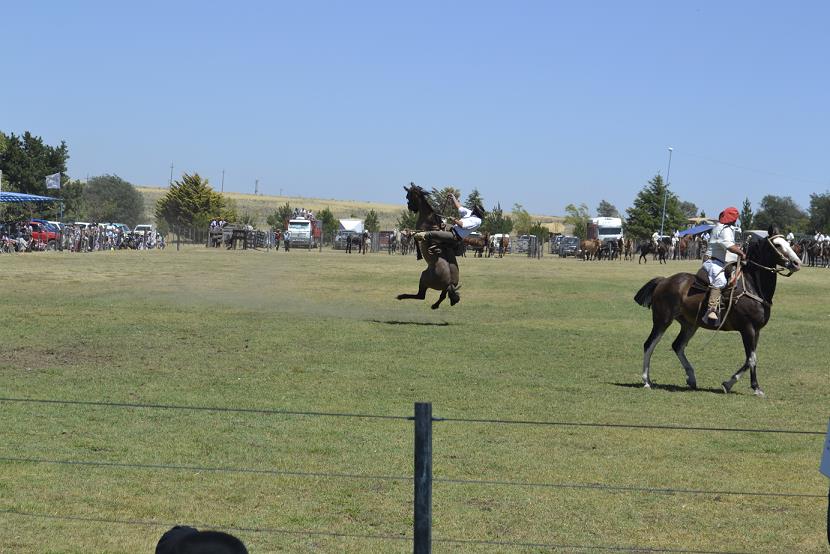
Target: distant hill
[(261, 206)]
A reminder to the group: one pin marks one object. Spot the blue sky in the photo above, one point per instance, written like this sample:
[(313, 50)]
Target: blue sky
[(537, 103)]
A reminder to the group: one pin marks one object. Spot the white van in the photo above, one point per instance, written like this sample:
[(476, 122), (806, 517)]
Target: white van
[(140, 229)]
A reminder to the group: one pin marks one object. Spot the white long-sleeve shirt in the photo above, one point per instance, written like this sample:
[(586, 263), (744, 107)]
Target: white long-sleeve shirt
[(469, 222)]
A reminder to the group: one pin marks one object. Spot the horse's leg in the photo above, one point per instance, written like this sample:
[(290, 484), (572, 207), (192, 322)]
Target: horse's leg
[(440, 299), (422, 289), (753, 375), (659, 326), (687, 331), (750, 339)]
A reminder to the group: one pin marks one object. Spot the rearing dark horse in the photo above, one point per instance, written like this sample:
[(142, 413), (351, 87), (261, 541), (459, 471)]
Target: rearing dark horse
[(675, 298), (442, 269)]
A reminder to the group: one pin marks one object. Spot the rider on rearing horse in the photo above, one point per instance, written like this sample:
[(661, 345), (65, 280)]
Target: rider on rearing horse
[(469, 221), (721, 250)]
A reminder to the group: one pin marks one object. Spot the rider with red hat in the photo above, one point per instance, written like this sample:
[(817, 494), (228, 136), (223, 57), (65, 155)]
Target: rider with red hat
[(720, 250)]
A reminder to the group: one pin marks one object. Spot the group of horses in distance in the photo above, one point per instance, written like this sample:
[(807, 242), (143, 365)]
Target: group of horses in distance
[(813, 252), (484, 243)]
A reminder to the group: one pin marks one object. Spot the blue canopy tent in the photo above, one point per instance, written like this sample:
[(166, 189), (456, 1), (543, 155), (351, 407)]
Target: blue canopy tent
[(696, 230), (20, 197)]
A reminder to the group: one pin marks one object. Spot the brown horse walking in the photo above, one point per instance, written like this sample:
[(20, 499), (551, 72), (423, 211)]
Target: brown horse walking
[(442, 269), (677, 298)]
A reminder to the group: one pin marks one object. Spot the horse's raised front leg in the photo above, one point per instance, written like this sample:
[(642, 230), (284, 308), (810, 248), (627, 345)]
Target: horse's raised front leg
[(687, 331), (750, 340)]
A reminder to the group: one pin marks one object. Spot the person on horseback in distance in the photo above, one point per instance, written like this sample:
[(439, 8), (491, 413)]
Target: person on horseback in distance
[(469, 220), (721, 250)]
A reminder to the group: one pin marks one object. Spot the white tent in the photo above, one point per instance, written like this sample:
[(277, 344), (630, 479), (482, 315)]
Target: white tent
[(353, 225)]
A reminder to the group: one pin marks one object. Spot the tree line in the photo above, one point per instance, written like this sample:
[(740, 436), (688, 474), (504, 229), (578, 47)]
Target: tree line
[(191, 202)]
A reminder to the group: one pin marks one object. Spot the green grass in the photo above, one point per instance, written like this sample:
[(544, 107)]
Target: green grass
[(533, 340)]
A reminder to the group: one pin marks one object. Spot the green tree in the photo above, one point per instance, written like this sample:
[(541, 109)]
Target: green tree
[(645, 216), (192, 203), (521, 220), (607, 209), (278, 218), (578, 217), (474, 199), (328, 222), (74, 203), (26, 161), (688, 209), (539, 230), (820, 212), (407, 220), (781, 211), (109, 198), (440, 202), (371, 223), (246, 218), (746, 214), (496, 222)]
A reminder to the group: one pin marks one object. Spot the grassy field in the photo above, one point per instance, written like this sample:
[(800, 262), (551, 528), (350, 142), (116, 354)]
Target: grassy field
[(278, 342)]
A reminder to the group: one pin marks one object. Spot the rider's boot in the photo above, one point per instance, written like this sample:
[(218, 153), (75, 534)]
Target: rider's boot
[(714, 306)]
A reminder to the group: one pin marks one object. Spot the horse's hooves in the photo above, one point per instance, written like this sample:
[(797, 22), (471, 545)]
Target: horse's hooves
[(760, 393), (399, 297), (726, 386), (647, 385), (692, 384), (435, 306)]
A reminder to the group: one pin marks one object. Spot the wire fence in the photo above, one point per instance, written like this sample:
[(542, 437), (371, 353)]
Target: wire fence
[(405, 537)]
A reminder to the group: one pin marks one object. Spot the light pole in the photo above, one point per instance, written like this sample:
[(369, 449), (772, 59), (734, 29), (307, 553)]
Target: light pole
[(665, 193)]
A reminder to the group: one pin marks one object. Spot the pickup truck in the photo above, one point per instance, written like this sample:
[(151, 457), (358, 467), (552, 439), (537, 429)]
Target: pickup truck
[(45, 233)]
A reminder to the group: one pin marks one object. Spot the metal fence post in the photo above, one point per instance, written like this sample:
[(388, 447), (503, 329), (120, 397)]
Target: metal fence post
[(422, 536)]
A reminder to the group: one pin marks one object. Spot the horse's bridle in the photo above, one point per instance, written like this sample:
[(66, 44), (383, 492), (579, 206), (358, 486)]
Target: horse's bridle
[(785, 269)]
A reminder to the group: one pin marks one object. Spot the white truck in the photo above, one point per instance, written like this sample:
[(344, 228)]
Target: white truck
[(605, 228), (304, 232)]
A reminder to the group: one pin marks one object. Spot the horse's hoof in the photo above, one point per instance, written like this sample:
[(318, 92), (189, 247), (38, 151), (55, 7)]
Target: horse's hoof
[(647, 385), (399, 297), (726, 387), (435, 306), (759, 393), (692, 384)]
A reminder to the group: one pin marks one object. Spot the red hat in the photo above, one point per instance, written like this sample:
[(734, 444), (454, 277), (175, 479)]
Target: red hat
[(729, 215)]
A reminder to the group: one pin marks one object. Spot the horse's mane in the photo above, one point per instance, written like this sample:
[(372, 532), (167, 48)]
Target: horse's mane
[(427, 197)]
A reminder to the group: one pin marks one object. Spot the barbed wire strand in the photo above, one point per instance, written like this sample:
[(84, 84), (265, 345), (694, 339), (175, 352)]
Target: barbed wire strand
[(266, 411), (409, 418), (452, 481), (332, 534)]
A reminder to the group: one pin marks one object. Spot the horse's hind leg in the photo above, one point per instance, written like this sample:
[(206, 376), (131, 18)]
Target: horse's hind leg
[(422, 291), (687, 331), (440, 299), (658, 328)]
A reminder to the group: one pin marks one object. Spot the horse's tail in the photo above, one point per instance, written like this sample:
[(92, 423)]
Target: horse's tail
[(643, 296)]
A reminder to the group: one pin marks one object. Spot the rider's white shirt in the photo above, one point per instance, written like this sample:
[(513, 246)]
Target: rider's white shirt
[(469, 222), (723, 236)]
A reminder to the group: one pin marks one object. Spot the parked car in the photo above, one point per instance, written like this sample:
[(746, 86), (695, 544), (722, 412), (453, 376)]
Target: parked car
[(568, 246), (45, 232)]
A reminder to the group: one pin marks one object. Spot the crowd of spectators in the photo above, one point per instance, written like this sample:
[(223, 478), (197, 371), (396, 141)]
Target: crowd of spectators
[(302, 213), (74, 237)]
